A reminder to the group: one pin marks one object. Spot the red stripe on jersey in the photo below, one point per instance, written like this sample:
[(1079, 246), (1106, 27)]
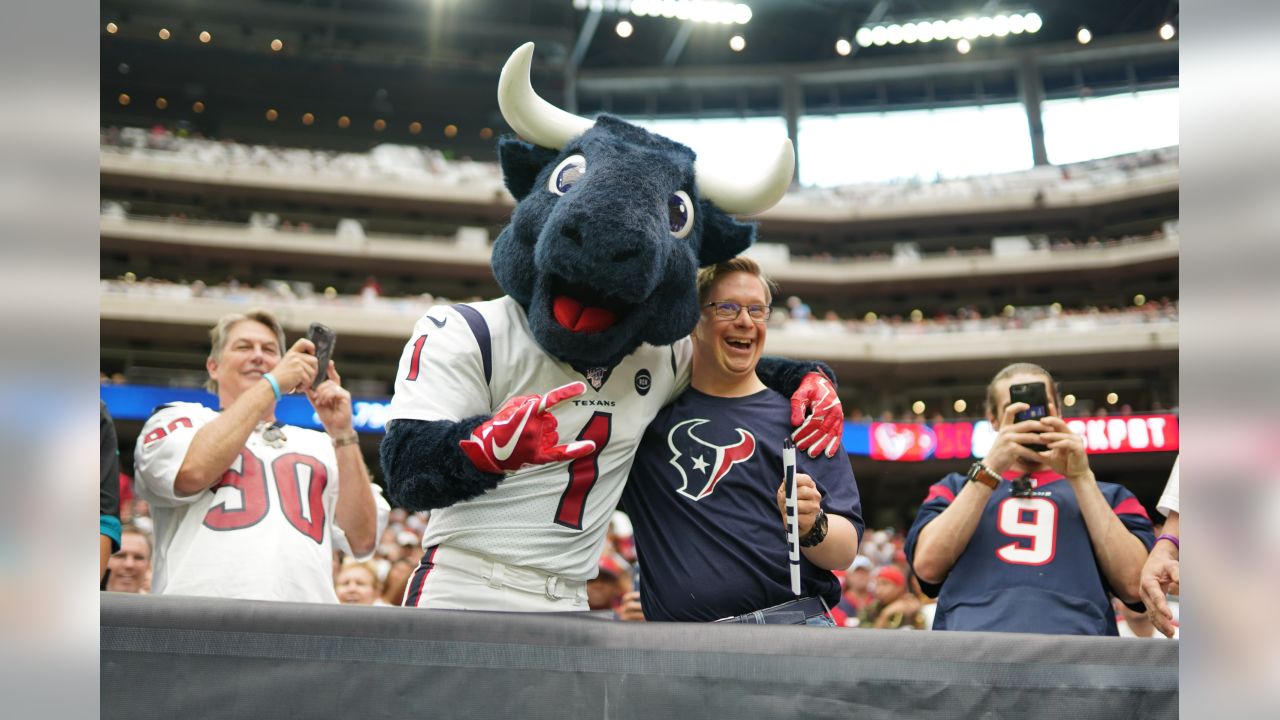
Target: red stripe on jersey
[(1131, 506), (940, 491), (413, 593)]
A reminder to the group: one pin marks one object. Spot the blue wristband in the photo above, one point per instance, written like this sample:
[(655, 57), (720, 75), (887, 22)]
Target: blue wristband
[(275, 386)]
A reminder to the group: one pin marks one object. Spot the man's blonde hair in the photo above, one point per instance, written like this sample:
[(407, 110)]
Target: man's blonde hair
[(707, 277), (218, 335)]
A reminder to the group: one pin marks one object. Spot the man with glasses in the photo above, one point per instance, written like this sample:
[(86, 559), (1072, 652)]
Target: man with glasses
[(705, 494)]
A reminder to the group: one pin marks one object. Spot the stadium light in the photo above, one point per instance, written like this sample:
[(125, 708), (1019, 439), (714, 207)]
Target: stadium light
[(1084, 35), (711, 12), (624, 29), (963, 46), (1167, 31), (966, 28), (737, 43), (844, 47), (112, 28)]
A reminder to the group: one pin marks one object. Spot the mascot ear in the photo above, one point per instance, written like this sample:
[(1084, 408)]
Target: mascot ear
[(521, 163), (722, 236)]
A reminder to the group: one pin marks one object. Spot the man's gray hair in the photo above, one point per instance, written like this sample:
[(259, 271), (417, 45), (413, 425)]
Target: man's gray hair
[(218, 335)]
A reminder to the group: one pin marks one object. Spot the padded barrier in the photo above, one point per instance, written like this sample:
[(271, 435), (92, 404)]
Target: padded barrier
[(186, 657)]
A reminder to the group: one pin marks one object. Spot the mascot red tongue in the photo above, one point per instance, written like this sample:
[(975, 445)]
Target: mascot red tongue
[(572, 315)]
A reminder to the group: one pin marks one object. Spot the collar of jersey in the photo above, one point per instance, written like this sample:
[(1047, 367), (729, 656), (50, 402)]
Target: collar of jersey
[(1043, 477)]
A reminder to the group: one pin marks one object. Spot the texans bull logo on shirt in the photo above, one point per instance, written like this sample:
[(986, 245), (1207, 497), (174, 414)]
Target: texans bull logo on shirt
[(702, 464)]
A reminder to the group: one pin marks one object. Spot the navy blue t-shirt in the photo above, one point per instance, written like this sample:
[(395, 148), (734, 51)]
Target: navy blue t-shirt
[(1030, 566), (702, 500)]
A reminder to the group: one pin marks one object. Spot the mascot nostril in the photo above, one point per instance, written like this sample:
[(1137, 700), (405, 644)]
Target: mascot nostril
[(605, 342), (626, 255)]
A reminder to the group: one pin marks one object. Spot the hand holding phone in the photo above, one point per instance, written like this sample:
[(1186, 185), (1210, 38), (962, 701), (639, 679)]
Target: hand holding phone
[(1036, 395), (324, 338)]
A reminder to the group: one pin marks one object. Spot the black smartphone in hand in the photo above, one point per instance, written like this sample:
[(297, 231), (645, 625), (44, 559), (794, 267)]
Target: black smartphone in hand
[(323, 337), (1035, 394)]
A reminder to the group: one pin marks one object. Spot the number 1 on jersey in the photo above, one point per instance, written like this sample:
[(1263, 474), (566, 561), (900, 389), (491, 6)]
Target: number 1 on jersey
[(415, 362), (584, 472)]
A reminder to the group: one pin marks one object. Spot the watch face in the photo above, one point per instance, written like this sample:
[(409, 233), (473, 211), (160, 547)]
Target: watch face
[(978, 473), (817, 533)]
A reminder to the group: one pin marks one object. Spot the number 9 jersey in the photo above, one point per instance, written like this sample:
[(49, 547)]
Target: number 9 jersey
[(265, 531), (1030, 565), (466, 360)]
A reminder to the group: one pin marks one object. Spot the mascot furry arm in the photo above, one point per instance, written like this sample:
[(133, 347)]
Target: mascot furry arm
[(599, 264)]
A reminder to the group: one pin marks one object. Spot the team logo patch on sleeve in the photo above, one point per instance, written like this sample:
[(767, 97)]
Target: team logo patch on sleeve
[(701, 464), (643, 381)]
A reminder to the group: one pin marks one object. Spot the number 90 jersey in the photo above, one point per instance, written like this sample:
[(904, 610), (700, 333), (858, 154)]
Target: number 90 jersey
[(265, 531), (466, 360), (1030, 565)]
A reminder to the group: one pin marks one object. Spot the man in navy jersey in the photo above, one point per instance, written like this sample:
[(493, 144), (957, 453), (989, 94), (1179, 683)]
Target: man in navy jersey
[(705, 495), (1029, 541)]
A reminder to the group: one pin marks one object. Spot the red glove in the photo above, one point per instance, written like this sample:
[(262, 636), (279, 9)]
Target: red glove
[(523, 432), (825, 424)]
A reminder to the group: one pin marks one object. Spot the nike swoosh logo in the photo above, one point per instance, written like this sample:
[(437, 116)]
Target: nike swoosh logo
[(438, 323), (503, 451)]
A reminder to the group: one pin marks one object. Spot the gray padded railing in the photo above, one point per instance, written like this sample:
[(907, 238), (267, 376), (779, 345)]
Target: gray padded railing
[(171, 657)]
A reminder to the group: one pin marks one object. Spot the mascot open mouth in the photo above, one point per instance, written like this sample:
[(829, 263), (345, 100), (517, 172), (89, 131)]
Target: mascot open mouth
[(583, 309)]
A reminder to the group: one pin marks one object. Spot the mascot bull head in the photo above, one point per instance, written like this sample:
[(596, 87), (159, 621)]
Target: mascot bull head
[(612, 224)]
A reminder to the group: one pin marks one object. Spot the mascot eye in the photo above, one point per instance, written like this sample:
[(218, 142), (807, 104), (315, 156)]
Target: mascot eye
[(567, 174), (680, 214)]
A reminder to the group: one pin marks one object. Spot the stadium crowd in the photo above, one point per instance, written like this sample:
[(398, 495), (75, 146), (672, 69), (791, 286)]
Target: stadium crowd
[(413, 163), (969, 318)]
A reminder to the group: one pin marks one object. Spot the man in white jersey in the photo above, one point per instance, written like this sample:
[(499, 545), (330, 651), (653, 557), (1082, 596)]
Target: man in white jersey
[(243, 506)]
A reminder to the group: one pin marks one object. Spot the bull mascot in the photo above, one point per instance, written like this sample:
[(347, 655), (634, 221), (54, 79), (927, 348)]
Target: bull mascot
[(599, 265)]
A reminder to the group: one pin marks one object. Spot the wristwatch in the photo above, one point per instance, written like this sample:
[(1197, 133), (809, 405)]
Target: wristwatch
[(980, 473), (818, 532)]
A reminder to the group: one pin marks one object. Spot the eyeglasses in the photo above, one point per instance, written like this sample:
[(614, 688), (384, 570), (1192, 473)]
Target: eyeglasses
[(727, 310)]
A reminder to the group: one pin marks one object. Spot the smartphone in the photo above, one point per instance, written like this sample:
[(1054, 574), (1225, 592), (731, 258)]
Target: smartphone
[(1036, 395), (324, 338)]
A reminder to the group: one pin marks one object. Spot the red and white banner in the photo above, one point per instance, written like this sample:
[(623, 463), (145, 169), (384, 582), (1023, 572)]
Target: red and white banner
[(959, 440)]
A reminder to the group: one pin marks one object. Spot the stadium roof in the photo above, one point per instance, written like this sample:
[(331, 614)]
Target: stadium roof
[(435, 62)]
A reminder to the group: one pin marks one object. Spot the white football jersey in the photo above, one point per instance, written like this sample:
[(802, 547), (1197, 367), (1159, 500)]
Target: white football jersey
[(265, 531), (467, 360)]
